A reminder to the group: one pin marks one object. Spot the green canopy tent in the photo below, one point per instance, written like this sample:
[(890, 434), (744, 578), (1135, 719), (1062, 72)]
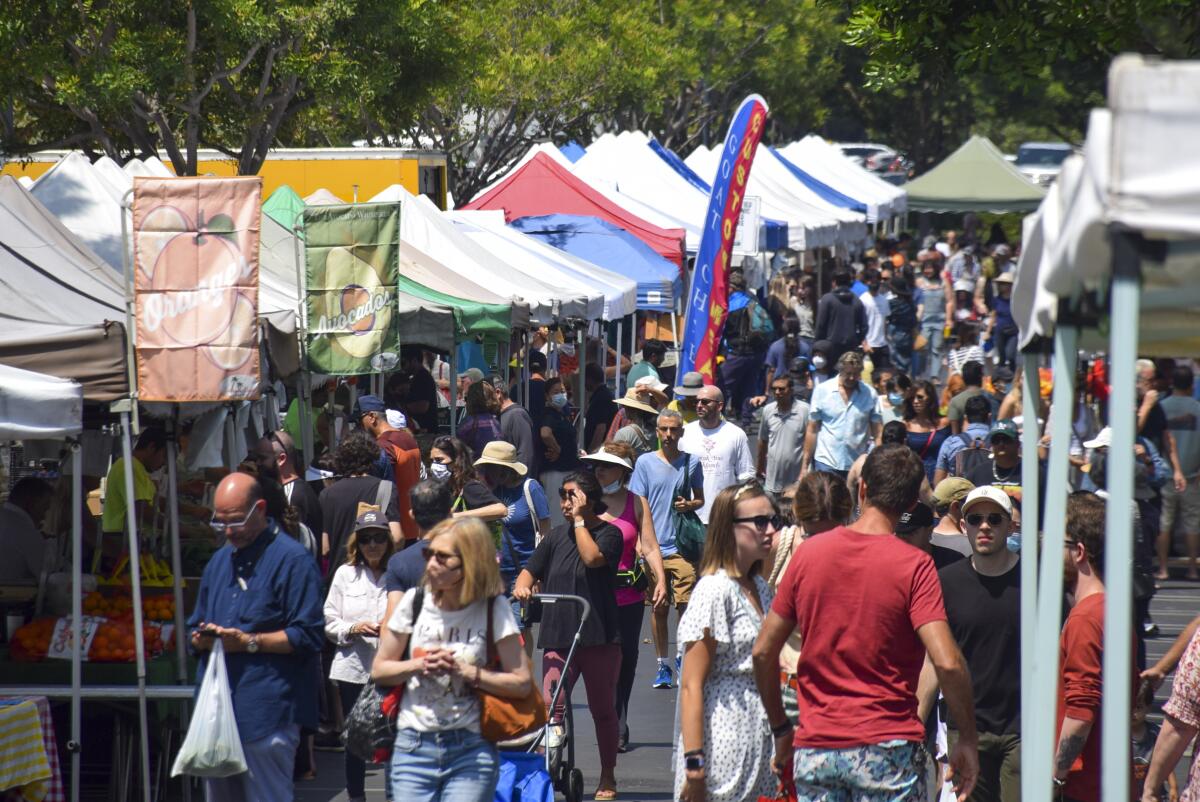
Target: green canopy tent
[(284, 207), (476, 310), (974, 178)]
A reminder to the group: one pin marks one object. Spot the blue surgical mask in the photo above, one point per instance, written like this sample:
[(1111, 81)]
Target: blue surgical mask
[(1014, 543), (895, 399), (558, 400), (609, 489), (439, 471)]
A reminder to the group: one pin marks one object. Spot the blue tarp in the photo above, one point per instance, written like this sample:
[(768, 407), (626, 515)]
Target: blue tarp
[(659, 283), (826, 192), (572, 150), (775, 232)]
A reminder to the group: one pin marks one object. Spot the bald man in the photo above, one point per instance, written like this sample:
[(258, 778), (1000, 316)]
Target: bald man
[(721, 448), (261, 595)]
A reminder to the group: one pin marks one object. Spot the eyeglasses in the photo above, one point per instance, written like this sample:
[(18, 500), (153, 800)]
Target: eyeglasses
[(373, 538), (443, 557), (993, 518), (1070, 543), (221, 527), (700, 401), (761, 522)]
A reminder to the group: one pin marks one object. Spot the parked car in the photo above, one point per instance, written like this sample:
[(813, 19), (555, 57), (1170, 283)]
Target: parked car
[(869, 155), (1041, 162)]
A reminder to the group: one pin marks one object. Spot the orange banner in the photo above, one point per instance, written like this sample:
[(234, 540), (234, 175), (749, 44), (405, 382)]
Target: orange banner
[(195, 249)]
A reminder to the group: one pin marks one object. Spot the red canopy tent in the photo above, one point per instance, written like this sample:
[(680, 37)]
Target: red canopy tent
[(542, 186)]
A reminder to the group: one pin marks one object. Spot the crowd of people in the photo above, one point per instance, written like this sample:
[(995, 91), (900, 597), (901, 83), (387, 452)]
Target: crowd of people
[(836, 521)]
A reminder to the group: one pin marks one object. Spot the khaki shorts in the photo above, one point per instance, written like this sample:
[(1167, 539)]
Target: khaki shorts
[(1181, 508), (681, 578)]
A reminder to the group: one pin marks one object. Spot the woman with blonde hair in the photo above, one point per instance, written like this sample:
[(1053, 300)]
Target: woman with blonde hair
[(724, 745), (436, 646), (354, 612)]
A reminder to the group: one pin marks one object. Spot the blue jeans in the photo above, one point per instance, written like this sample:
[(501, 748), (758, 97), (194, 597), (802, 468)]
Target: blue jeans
[(935, 333), (893, 771), (450, 766), (268, 777), (817, 465)]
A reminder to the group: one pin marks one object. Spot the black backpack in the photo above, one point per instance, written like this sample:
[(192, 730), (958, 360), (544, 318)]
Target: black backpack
[(975, 453), (749, 330)]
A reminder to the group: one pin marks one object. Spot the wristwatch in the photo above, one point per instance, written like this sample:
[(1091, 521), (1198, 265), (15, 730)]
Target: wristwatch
[(694, 761), (252, 646)]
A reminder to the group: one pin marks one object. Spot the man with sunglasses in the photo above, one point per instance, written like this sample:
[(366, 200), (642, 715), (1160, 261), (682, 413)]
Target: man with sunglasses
[(722, 448), (781, 437), (983, 606), (261, 595)]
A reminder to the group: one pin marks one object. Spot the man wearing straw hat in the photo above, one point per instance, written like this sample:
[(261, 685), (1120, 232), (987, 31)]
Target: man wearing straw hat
[(638, 433)]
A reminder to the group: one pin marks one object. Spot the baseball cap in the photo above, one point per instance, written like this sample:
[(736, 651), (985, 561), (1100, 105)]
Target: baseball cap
[(474, 374), (919, 517), (799, 367), (1006, 428), (988, 493), (370, 519), (693, 382), (1002, 374), (952, 489), (1103, 439), (368, 403)]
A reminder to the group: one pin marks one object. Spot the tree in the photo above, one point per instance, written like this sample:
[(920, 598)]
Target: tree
[(126, 77)]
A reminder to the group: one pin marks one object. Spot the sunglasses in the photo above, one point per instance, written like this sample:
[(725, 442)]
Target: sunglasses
[(373, 538), (221, 527), (993, 518), (761, 522), (443, 558)]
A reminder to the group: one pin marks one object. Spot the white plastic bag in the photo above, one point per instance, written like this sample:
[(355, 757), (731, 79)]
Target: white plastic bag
[(212, 747)]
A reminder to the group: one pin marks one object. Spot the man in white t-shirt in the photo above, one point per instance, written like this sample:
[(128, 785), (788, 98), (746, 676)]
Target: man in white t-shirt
[(722, 448), (878, 308)]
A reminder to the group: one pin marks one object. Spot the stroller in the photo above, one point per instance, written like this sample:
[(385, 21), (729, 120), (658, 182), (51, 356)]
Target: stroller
[(559, 757)]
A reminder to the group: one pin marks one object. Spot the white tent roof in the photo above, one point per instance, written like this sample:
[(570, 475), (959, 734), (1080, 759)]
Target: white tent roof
[(25, 181), (852, 226), (156, 167), (278, 291), (424, 227), (120, 181), (323, 197), (1124, 179), (617, 294), (829, 165), (808, 226), (33, 405), (86, 203)]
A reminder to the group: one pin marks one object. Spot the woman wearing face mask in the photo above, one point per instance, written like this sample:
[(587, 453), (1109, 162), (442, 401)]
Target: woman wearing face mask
[(926, 431), (612, 465), (450, 461), (822, 369), (560, 443)]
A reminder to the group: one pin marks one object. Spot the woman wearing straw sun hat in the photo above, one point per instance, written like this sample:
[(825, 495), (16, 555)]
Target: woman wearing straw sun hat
[(613, 465), (638, 433), (528, 517)]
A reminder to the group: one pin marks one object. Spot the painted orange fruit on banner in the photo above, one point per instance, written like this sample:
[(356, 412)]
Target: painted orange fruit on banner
[(195, 247)]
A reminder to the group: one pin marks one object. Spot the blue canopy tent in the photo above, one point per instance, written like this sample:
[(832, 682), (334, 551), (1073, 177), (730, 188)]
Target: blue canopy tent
[(572, 150), (659, 283), (826, 192), (775, 232)]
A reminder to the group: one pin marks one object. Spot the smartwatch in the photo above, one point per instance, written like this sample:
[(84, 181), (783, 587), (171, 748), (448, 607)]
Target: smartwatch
[(694, 761)]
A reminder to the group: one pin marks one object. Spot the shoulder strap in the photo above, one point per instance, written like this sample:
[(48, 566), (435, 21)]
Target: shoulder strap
[(492, 657), (529, 503), (383, 494), (418, 603)]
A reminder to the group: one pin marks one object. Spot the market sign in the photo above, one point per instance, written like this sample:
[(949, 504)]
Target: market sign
[(352, 265), (195, 254)]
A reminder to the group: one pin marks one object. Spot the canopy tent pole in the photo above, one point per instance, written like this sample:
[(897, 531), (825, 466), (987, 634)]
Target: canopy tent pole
[(231, 460), (632, 338), (1118, 544), (454, 390), (1030, 435), (75, 747), (135, 579), (127, 272), (525, 367), (620, 327), (581, 351), (1039, 733), (176, 556), (303, 377), (675, 326), (603, 324), (351, 400)]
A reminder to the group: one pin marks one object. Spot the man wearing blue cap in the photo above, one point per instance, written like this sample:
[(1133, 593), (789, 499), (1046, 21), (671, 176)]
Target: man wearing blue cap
[(403, 453)]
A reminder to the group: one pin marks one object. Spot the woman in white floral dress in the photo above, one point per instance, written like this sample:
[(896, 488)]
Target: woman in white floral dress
[(723, 752)]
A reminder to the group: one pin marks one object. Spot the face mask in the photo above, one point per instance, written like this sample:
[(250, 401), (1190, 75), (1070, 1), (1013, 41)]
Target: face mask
[(439, 471), (558, 400), (1014, 543), (895, 399), (612, 488), (818, 362)]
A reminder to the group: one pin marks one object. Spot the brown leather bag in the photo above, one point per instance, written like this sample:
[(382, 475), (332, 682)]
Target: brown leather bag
[(502, 718)]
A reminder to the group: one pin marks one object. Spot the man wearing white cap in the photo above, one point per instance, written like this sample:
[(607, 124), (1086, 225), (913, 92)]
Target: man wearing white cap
[(983, 607)]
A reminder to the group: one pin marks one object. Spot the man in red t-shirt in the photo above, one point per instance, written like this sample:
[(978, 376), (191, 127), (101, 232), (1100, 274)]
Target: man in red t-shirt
[(868, 607), (403, 452), (1081, 652)]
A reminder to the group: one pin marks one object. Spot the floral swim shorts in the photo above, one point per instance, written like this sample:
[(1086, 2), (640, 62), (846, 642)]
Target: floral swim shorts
[(893, 771)]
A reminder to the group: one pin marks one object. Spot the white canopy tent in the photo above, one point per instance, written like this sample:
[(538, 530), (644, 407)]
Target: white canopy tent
[(35, 406), (617, 294), (1115, 243), (87, 203), (808, 226), (829, 165), (852, 225)]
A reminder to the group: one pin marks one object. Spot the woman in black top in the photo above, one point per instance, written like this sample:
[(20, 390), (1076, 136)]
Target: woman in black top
[(581, 560), (451, 460), (561, 444)]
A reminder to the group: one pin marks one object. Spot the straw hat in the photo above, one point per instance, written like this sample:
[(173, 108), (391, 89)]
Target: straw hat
[(632, 401), (503, 454)]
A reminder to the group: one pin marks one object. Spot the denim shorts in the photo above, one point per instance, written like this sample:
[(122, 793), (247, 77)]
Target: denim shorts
[(450, 766), (893, 771)]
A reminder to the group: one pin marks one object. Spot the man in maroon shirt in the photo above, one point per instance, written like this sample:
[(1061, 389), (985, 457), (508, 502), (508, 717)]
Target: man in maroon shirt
[(868, 606), (1081, 652)]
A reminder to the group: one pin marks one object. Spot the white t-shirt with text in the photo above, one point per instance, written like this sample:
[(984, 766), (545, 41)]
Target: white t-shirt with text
[(724, 455)]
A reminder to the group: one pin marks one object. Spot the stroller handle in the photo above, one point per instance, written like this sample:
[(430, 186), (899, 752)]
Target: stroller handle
[(558, 598)]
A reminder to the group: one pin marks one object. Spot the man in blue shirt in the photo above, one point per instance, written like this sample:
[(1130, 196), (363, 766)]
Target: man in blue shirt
[(843, 421), (978, 412), (261, 595)]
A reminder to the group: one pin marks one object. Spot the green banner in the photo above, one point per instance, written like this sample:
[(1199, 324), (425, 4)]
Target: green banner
[(351, 262)]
